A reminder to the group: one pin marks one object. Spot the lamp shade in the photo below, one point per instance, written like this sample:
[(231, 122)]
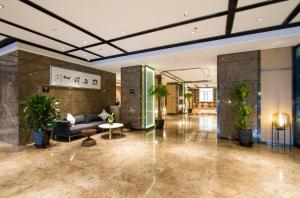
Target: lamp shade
[(281, 120)]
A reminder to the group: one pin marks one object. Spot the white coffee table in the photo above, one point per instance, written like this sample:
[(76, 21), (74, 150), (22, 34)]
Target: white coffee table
[(111, 127)]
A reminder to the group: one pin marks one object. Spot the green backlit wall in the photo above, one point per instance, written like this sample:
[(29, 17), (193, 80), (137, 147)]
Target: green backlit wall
[(149, 80)]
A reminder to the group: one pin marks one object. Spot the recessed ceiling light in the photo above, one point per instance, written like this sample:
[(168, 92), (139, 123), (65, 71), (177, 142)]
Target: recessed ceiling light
[(1, 6), (123, 32), (63, 48), (85, 42), (84, 55), (186, 14), (259, 19)]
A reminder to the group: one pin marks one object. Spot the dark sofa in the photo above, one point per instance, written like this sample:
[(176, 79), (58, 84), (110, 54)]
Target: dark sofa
[(84, 121)]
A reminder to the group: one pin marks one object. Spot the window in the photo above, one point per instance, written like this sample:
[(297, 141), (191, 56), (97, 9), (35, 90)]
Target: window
[(206, 95)]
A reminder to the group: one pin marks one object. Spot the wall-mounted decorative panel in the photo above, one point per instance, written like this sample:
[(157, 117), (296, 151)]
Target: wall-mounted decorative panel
[(71, 78)]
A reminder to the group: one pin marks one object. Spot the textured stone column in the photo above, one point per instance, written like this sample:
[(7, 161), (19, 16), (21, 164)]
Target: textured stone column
[(131, 96), (232, 69), (9, 130)]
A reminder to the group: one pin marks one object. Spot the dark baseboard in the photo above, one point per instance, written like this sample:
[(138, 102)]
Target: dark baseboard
[(228, 138)]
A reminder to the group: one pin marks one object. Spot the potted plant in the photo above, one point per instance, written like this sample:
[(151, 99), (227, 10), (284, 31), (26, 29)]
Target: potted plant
[(159, 91), (111, 118), (40, 115), (244, 110), (188, 96)]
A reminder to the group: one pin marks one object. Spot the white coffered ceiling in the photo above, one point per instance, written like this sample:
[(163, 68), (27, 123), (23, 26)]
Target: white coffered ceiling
[(97, 31), (2, 38), (109, 18)]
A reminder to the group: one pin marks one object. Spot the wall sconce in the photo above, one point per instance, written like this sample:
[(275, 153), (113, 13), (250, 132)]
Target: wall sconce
[(281, 123)]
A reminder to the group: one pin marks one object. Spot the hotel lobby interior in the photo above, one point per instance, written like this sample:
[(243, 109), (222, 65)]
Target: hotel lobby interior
[(139, 98)]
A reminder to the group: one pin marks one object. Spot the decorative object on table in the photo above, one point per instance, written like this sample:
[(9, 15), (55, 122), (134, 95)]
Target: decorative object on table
[(40, 114), (281, 123), (111, 118), (159, 91), (88, 141), (117, 103), (244, 110), (111, 127), (103, 115), (188, 96)]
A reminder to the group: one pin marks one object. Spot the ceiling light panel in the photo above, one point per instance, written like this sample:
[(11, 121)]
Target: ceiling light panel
[(104, 50), (2, 37), (24, 15), (271, 15), (83, 54), (191, 75), (207, 28), (109, 19), (243, 3), (34, 38), (296, 19)]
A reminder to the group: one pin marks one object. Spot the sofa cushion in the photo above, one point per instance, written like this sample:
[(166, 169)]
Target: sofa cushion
[(103, 115), (71, 118), (90, 117), (76, 129), (79, 119)]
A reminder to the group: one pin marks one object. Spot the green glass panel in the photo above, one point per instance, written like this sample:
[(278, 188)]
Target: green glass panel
[(149, 99)]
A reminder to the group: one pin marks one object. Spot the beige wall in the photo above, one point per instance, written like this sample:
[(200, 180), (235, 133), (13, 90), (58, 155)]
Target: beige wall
[(276, 87), (118, 93), (172, 98)]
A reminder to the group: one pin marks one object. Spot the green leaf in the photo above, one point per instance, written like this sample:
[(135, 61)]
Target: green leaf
[(40, 113)]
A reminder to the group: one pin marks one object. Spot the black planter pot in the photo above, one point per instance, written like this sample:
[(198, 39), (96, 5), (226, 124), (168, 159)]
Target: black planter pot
[(42, 139), (246, 137), (190, 110), (159, 124)]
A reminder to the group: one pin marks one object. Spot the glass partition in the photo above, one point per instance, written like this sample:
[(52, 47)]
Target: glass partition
[(149, 99)]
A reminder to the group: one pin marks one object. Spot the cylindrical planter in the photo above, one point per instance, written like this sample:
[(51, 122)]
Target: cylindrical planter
[(246, 137), (42, 138), (38, 138)]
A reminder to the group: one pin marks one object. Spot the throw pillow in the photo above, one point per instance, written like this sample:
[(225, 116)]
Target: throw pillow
[(103, 115), (71, 119)]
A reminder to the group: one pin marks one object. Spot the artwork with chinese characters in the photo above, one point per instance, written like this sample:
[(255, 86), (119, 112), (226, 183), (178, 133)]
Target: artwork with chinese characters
[(70, 78)]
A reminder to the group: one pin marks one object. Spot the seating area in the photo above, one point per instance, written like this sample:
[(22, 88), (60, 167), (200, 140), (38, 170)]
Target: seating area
[(65, 129)]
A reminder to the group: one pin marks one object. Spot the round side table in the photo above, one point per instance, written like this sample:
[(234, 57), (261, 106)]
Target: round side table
[(88, 141), (110, 127)]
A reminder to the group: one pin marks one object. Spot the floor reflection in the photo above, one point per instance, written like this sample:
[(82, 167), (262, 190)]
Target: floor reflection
[(196, 128), (175, 162), (189, 128)]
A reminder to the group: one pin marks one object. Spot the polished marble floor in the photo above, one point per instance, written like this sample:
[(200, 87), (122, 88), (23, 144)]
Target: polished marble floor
[(184, 160)]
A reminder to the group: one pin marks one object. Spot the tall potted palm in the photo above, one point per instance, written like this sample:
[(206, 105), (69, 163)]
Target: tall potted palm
[(244, 110), (188, 96), (40, 114), (159, 91)]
